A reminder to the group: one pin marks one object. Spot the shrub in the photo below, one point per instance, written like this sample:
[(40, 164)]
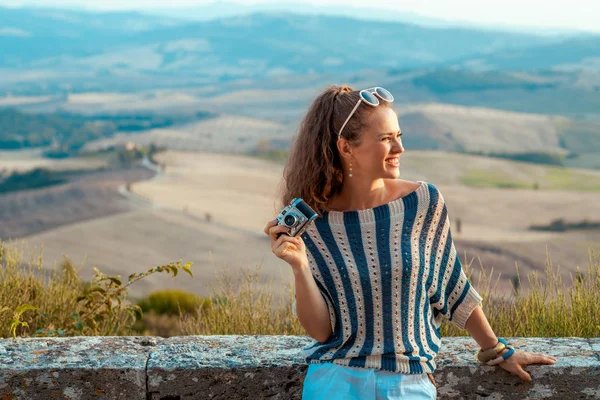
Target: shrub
[(172, 302)]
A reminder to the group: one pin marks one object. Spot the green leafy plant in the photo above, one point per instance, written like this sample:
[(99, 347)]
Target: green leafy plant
[(104, 309), (16, 322), (105, 303)]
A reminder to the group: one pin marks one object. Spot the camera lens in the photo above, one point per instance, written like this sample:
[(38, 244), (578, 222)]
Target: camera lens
[(290, 220)]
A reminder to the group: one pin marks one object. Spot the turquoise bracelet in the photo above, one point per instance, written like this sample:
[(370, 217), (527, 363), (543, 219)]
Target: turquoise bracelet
[(502, 357), (499, 357)]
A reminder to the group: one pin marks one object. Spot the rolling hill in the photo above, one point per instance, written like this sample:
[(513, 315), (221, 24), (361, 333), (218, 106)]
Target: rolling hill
[(58, 53), (258, 45), (578, 52)]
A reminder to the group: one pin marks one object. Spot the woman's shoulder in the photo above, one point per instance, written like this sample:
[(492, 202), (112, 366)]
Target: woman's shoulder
[(401, 187)]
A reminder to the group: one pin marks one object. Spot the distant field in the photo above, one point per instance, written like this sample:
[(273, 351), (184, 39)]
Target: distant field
[(210, 182), (453, 127), (480, 171), (428, 125), (239, 194), (23, 160), (495, 221), (550, 178), (11, 101), (86, 197), (237, 191), (150, 101), (225, 133)]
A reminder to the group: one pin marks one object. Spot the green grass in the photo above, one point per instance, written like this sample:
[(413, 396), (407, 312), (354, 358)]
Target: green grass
[(482, 178), (565, 179), (554, 178)]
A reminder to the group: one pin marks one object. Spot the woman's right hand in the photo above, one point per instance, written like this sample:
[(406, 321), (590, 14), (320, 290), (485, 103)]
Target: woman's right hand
[(290, 249)]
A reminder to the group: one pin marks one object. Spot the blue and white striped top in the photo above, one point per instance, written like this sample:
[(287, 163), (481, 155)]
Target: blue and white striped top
[(389, 275)]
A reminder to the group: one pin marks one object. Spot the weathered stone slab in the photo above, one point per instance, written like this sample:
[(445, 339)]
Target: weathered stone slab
[(590, 390), (242, 367), (227, 367), (576, 372), (74, 368), (239, 367)]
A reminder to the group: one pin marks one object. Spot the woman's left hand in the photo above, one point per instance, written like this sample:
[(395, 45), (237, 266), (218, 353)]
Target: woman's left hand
[(515, 363)]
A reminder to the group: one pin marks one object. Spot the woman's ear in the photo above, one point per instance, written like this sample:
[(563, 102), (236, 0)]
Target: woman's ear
[(344, 148)]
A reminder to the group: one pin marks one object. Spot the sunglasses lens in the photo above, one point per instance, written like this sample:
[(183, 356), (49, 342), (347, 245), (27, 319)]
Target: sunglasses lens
[(369, 98), (384, 94)]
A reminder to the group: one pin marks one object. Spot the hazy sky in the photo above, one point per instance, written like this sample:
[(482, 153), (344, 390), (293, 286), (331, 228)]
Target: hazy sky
[(564, 14)]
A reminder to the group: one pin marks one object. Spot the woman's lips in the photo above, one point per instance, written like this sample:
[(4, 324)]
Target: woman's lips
[(393, 162)]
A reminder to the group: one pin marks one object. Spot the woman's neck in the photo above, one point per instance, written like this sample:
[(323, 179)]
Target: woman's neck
[(360, 194)]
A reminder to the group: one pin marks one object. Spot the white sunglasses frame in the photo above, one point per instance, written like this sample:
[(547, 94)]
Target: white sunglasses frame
[(373, 91)]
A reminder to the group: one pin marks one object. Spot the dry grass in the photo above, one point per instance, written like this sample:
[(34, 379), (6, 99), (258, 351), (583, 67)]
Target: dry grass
[(244, 308), (129, 242), (548, 309), (54, 295)]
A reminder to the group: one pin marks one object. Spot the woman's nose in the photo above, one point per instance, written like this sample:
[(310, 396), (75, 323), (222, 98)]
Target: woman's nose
[(398, 146)]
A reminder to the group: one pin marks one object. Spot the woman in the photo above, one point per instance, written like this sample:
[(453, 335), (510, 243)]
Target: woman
[(377, 270)]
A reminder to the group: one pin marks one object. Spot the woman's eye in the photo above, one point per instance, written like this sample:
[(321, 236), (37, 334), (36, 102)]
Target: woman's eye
[(389, 137)]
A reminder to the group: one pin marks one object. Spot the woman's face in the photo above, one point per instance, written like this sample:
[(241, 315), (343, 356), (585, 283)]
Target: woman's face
[(378, 154)]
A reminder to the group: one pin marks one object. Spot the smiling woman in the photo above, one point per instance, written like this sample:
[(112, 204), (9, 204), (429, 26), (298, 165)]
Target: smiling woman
[(327, 155), (377, 271)]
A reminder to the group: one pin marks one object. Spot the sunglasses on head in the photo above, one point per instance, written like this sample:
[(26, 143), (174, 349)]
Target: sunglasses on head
[(370, 97)]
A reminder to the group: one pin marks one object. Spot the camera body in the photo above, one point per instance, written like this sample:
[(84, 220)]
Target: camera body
[(296, 216)]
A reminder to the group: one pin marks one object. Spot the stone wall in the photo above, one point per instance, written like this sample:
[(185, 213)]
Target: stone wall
[(261, 367)]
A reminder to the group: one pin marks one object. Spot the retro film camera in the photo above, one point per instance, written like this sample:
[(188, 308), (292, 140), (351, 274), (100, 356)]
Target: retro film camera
[(296, 216)]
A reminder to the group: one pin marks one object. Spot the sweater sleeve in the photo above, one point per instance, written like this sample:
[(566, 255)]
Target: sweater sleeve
[(454, 296)]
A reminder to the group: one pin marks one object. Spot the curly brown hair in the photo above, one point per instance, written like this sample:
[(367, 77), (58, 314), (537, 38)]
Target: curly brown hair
[(314, 170)]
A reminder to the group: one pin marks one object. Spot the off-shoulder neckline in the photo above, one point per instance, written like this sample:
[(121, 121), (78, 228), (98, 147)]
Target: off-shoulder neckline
[(374, 213)]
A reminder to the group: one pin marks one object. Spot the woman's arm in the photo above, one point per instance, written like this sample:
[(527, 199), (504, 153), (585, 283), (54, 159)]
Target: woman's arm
[(479, 328), (311, 308)]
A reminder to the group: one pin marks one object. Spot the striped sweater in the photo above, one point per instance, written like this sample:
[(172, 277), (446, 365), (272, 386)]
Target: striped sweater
[(389, 275)]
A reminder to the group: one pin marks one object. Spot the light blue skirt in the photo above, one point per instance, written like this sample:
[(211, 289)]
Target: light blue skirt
[(332, 382)]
